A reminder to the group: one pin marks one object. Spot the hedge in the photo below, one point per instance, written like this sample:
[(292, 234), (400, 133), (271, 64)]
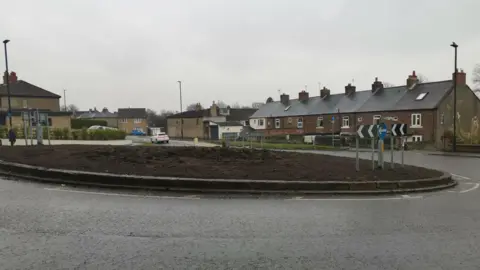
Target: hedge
[(86, 123), (67, 134)]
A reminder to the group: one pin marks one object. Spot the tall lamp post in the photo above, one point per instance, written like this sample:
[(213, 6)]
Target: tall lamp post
[(7, 81), (181, 107), (454, 145)]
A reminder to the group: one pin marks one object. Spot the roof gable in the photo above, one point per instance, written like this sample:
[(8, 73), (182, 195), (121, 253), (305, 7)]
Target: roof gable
[(132, 113), (25, 89)]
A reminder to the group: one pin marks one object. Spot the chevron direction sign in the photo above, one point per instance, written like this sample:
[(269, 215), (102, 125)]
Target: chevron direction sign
[(399, 130), (367, 131)]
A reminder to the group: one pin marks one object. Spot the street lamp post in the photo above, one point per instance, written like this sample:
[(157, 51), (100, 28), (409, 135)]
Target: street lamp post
[(454, 145), (7, 81), (181, 108)]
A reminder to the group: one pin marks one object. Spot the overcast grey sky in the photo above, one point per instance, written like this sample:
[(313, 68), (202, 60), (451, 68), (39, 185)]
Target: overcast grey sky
[(120, 53)]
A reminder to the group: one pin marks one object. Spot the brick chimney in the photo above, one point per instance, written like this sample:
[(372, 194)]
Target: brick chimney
[(350, 89), (324, 93), (13, 77), (285, 99), (412, 80), (214, 109), (377, 85), (303, 96), (461, 78)]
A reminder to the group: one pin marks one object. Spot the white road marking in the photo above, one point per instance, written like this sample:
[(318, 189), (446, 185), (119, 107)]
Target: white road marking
[(189, 197), (461, 177), (411, 197), (475, 186), (354, 199)]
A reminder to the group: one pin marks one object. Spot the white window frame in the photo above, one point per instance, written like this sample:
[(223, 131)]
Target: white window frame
[(124, 120), (277, 122), (260, 122), (319, 122), (25, 104), (417, 138), (375, 118), (300, 122), (416, 120), (346, 122), (137, 120)]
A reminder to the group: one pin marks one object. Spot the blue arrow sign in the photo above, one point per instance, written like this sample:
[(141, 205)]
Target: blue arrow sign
[(382, 131), (333, 118)]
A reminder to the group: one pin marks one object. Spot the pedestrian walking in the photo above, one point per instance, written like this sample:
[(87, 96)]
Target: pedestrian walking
[(12, 137)]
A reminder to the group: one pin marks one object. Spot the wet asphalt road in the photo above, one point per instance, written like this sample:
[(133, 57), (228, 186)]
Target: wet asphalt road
[(55, 227)]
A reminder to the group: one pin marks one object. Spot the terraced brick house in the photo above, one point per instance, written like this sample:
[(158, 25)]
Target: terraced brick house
[(25, 96), (130, 119), (427, 108), (212, 123)]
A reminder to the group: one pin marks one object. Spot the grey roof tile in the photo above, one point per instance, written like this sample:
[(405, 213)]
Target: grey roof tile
[(435, 93), (388, 99), (25, 89), (132, 113)]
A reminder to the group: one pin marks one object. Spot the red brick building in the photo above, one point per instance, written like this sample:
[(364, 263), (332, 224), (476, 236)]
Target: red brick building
[(425, 107)]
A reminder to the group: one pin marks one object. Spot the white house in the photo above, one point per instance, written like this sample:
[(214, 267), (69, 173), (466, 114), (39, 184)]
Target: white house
[(258, 123)]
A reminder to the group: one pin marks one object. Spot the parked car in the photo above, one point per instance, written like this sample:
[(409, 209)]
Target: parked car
[(160, 138), (137, 132), (101, 128)]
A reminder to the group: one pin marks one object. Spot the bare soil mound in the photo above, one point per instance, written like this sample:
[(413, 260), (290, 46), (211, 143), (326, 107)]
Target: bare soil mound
[(206, 162)]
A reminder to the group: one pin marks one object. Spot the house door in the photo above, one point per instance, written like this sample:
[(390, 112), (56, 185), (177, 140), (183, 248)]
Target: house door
[(214, 132)]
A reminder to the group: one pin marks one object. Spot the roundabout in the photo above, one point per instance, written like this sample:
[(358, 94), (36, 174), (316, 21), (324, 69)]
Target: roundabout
[(199, 169), (66, 226)]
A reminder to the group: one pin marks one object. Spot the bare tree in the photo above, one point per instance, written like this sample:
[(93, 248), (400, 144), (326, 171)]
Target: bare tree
[(221, 104), (476, 77), (193, 106), (421, 78), (388, 85), (70, 108)]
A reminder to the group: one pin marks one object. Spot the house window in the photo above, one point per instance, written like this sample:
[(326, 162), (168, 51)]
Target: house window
[(345, 122), (416, 120), (442, 119), (50, 122), (255, 121), (260, 122), (138, 120), (320, 122), (376, 119), (25, 103), (299, 123), (417, 138), (124, 120), (277, 123), (289, 120)]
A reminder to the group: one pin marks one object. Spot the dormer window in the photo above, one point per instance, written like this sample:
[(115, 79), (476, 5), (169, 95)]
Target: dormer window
[(421, 96)]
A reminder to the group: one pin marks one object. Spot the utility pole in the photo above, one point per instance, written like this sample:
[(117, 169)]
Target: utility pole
[(181, 107), (65, 99), (454, 143), (7, 79)]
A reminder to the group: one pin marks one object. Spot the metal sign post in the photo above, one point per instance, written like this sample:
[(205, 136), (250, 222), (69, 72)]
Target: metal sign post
[(382, 132), (333, 131), (391, 152), (25, 117), (367, 131), (357, 161), (399, 130)]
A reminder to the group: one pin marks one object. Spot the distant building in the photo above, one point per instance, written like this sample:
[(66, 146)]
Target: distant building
[(105, 115), (212, 123), (25, 96), (130, 119)]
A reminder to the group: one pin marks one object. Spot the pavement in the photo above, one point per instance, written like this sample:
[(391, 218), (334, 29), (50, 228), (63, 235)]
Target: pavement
[(140, 140), (64, 227), (62, 142)]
